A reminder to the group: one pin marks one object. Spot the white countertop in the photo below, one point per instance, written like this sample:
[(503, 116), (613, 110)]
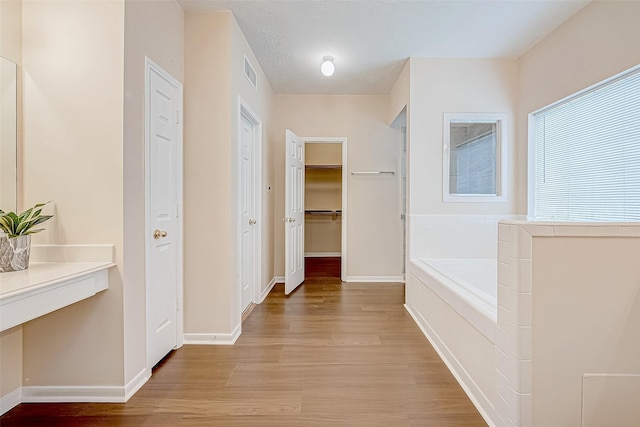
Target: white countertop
[(65, 275), (43, 274)]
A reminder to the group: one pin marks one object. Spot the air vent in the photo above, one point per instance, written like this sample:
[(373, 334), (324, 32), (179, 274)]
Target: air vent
[(250, 73)]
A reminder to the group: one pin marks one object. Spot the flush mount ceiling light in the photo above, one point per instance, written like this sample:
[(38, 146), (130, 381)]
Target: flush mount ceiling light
[(327, 68)]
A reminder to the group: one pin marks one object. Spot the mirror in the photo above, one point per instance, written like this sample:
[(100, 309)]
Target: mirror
[(8, 134), (474, 157)]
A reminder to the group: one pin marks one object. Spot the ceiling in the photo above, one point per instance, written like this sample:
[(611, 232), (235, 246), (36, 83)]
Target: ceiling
[(371, 39)]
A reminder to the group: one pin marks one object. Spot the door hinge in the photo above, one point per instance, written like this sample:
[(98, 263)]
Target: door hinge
[(177, 304), (177, 117), (177, 211)]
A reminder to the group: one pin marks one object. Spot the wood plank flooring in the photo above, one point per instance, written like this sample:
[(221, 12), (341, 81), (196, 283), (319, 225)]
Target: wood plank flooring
[(330, 354)]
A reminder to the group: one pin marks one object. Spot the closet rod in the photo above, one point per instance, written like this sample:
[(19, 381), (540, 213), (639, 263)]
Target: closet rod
[(374, 173)]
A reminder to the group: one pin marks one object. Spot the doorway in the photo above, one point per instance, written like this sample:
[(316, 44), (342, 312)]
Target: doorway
[(325, 207), (249, 204), (400, 123), (163, 212)]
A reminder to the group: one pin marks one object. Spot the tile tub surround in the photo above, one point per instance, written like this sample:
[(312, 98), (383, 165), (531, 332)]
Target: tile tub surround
[(503, 386), (454, 236), (513, 339)]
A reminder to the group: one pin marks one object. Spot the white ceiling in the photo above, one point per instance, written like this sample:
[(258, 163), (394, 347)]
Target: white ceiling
[(371, 39)]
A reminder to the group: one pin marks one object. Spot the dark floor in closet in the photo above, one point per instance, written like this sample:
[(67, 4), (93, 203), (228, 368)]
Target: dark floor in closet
[(322, 267)]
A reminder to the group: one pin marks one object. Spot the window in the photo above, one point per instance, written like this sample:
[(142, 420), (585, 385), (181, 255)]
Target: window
[(586, 154), (473, 162)]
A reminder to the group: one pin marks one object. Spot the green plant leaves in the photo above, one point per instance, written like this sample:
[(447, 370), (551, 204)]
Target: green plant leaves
[(19, 225)]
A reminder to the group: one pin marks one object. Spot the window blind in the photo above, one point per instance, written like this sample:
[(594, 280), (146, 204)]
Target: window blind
[(587, 155)]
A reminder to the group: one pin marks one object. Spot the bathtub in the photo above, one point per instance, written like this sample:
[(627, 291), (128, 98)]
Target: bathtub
[(469, 286), (453, 301)]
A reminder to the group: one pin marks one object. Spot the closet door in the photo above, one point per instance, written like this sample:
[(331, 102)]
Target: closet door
[(294, 212)]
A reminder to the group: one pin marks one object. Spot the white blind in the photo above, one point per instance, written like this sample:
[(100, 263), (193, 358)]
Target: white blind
[(587, 155)]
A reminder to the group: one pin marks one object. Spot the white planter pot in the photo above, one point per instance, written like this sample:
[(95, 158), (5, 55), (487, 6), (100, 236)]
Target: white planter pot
[(14, 253)]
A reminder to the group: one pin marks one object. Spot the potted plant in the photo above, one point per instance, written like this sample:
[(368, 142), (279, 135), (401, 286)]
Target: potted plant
[(15, 236)]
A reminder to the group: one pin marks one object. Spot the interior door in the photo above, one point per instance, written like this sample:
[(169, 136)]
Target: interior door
[(163, 115), (294, 212), (247, 212)]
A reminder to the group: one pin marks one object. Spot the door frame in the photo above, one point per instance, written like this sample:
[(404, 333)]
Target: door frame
[(149, 65), (343, 141), (247, 112)]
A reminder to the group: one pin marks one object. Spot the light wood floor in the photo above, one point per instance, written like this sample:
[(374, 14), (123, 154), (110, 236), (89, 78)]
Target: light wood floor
[(331, 354)]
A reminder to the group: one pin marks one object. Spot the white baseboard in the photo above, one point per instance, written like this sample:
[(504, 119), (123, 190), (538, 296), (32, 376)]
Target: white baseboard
[(213, 339), (35, 394), (136, 383), (377, 279), (85, 394), (266, 291), (10, 401), (478, 398), (278, 279), (322, 254)]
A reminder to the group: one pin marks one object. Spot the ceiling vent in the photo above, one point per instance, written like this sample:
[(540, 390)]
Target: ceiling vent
[(250, 73)]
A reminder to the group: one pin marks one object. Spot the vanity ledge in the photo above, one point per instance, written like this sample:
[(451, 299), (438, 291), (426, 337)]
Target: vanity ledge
[(48, 286)]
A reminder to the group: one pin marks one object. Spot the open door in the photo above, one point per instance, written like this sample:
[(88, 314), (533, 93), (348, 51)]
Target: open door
[(294, 213)]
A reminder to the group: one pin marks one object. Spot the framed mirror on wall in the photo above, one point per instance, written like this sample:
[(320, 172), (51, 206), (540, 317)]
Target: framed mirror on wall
[(474, 157), (8, 134)]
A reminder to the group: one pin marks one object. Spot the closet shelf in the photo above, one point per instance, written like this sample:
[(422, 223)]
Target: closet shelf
[(324, 212), (323, 166)]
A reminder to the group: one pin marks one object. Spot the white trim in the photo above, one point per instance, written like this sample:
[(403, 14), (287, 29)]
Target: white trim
[(531, 166), (88, 394), (246, 111), (213, 338), (473, 391), (268, 289), (343, 141), (278, 279), (502, 128), (136, 383), (150, 65), (321, 254), (55, 394), (10, 400), (375, 279)]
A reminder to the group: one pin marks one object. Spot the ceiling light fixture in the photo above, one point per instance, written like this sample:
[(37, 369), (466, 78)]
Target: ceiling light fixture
[(327, 68)]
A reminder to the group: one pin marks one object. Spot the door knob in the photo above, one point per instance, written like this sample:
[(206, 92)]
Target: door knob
[(292, 220), (158, 234), (252, 221)]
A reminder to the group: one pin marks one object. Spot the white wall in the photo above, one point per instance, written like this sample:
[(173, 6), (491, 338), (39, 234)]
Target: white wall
[(439, 86), (214, 60), (11, 48), (261, 103), (374, 236), (597, 282), (208, 272), (156, 30), (72, 56), (598, 42), (74, 122)]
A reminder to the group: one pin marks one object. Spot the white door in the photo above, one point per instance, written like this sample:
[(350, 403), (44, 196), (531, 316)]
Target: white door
[(294, 213), (247, 212), (164, 105)]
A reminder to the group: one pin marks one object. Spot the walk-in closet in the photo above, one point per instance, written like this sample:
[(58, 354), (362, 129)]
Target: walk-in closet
[(323, 204)]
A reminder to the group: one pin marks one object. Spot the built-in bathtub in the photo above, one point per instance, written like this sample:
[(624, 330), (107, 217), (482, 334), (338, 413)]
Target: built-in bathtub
[(576, 269), (469, 286)]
